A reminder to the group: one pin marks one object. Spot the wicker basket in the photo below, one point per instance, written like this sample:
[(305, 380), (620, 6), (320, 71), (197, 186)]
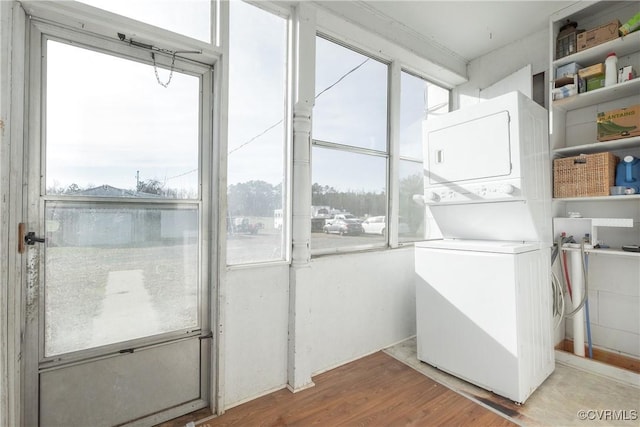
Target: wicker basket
[(584, 176)]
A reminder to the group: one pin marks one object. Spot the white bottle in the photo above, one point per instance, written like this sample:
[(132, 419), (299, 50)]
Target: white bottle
[(611, 70)]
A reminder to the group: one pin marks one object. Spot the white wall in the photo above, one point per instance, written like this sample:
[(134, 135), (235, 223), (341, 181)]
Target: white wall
[(614, 304), (360, 303), (496, 65), (255, 331)]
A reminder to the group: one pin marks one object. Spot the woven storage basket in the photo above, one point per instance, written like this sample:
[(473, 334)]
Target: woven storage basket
[(584, 176)]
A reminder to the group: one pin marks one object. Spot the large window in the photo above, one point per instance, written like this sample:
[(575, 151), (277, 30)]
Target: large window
[(257, 135), (350, 150), (153, 153), (419, 99), (191, 18)]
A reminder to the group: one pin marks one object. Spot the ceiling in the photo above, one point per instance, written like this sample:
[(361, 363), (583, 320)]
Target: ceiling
[(463, 29)]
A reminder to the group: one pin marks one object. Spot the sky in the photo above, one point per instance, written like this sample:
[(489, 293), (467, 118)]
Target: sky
[(108, 121), (108, 118), (188, 17), (257, 95)]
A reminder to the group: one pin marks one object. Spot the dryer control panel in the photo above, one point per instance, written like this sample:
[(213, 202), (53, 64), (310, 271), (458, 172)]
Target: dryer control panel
[(474, 193)]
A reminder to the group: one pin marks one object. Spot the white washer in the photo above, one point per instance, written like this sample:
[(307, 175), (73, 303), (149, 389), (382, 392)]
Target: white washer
[(482, 314)]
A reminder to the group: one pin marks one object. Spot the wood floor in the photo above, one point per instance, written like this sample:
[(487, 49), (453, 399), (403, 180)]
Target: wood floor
[(377, 390)]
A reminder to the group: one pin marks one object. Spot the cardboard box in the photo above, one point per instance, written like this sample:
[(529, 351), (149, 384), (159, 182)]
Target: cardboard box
[(564, 91), (571, 79), (620, 123), (567, 70), (625, 74), (598, 35), (591, 71), (595, 82)]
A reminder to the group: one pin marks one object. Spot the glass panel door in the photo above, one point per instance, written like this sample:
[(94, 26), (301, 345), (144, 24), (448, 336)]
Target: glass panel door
[(118, 272), (122, 206), (119, 187), (113, 131)]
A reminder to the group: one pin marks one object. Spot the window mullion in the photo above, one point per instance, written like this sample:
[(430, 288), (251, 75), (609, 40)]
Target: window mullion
[(394, 150), (349, 148)]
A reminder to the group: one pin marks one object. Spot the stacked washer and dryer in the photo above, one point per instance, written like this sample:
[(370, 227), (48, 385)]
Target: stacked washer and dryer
[(483, 291)]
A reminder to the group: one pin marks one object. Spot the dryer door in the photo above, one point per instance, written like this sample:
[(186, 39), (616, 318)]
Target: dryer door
[(478, 148)]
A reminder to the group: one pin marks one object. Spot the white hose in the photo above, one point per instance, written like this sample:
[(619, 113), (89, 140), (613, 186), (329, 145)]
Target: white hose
[(559, 306), (585, 280), (558, 299)]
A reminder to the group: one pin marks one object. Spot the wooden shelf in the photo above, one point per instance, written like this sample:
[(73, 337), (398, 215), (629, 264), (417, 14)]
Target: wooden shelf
[(598, 147), (608, 252), (598, 96), (599, 198), (621, 46)]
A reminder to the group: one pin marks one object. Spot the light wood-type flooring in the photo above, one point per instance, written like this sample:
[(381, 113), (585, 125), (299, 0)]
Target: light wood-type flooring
[(383, 390), (377, 390)]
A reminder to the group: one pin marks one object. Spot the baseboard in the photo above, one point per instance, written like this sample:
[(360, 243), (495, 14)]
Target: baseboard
[(252, 397), (304, 387), (596, 367), (609, 357)]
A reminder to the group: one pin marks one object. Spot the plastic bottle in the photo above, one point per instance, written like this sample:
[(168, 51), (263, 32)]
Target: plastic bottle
[(628, 173), (611, 70)]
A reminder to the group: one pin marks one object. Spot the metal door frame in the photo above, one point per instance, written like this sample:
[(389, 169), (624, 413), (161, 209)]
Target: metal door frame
[(37, 31)]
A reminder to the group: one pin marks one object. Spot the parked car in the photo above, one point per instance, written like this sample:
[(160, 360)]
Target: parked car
[(243, 225), (343, 226), (378, 225), (341, 216)]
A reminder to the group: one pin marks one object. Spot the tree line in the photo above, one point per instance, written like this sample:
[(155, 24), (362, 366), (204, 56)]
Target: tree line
[(146, 187), (260, 199)]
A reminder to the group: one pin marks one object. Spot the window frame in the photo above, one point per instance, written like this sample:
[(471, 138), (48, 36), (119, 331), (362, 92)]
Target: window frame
[(287, 14), (406, 158), (387, 155), (392, 154), (212, 20)]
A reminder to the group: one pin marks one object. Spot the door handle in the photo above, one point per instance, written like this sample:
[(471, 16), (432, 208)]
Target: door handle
[(31, 239)]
